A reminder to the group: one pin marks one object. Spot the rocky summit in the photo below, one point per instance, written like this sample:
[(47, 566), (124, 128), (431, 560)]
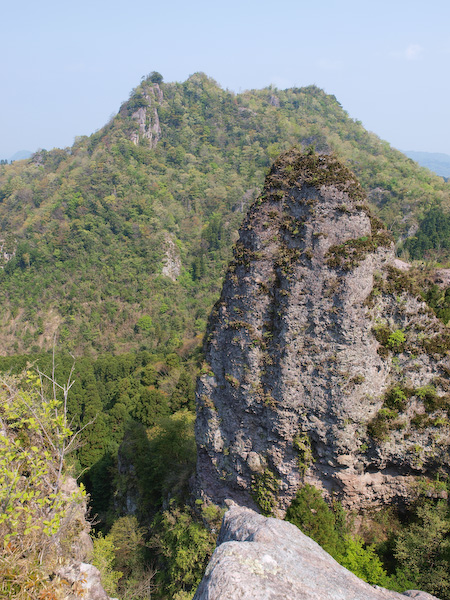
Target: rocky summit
[(267, 559), (323, 363)]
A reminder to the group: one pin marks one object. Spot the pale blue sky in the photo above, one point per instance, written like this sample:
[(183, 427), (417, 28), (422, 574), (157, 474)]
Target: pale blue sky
[(67, 66)]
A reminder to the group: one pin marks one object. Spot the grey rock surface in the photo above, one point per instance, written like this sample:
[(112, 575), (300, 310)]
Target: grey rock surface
[(261, 558), (300, 366), (84, 581), (147, 118), (172, 260)]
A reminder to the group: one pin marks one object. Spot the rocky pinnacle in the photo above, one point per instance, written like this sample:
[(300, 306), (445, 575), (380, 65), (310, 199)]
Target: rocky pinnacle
[(323, 365)]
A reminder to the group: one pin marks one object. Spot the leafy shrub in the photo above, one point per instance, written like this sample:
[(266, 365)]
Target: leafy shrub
[(396, 340), (381, 424), (264, 491), (103, 557), (396, 398), (363, 561), (302, 444), (311, 514), (422, 550)]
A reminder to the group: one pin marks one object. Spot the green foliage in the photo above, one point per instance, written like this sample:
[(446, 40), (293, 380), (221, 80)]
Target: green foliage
[(313, 169), (422, 550), (264, 491), (396, 340), (302, 444), (184, 546), (429, 396), (396, 398), (128, 540), (151, 405), (103, 557), (173, 454), (311, 514), (351, 253), (439, 300), (432, 237), (145, 324), (382, 333), (389, 340), (379, 427), (155, 77), (127, 537), (363, 561), (36, 511)]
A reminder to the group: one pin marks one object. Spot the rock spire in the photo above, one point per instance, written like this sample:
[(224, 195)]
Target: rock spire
[(322, 363)]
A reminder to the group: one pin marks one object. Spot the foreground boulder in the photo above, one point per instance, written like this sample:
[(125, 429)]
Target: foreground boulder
[(323, 364), (261, 558)]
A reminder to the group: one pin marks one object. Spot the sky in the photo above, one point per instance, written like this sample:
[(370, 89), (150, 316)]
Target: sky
[(67, 66)]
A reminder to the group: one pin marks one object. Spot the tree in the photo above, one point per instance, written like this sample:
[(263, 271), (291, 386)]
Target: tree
[(311, 514), (363, 561), (184, 546), (423, 550), (103, 556), (155, 77), (37, 503)]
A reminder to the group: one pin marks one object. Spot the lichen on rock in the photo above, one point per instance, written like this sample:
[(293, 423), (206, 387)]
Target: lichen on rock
[(292, 351)]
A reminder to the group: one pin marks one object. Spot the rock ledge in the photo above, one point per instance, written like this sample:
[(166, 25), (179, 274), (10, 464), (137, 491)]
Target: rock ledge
[(270, 559)]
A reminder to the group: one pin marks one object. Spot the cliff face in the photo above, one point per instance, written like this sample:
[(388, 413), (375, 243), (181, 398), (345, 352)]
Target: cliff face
[(322, 365)]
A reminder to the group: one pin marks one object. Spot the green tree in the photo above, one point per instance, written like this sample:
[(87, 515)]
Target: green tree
[(150, 406), (155, 77), (36, 508), (173, 454), (311, 514), (363, 561), (328, 527), (423, 550), (183, 395), (103, 557), (184, 546)]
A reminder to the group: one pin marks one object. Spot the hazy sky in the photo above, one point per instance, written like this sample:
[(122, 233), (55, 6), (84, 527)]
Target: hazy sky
[(67, 66)]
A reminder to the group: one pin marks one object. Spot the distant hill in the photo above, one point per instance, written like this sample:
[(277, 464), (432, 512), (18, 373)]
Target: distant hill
[(21, 155), (435, 161), (120, 242)]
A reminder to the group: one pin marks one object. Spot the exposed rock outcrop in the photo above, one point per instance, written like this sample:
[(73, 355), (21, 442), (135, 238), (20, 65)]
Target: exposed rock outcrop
[(323, 365), (83, 580), (147, 117), (172, 260), (259, 557), (74, 547)]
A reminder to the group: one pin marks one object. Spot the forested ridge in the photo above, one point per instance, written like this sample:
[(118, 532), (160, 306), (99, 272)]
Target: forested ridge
[(86, 230), (113, 252)]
